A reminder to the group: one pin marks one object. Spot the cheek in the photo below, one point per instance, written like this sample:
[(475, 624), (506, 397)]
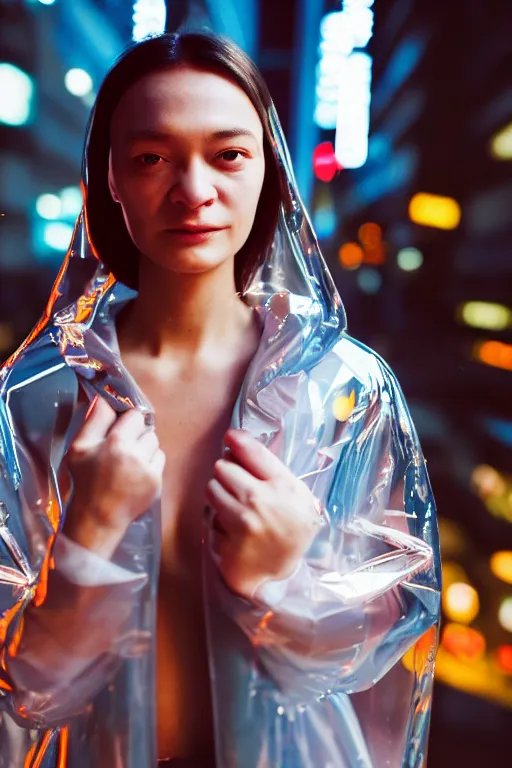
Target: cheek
[(245, 203), (138, 201)]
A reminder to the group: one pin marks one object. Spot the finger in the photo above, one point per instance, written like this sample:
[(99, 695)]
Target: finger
[(229, 513), (236, 480), (254, 456), (129, 426), (147, 445), (99, 419), (158, 461)]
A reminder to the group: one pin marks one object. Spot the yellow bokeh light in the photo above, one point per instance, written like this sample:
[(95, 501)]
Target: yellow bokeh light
[(505, 614), (434, 211), (501, 143), (351, 255), (453, 573), (501, 565), (485, 314), (343, 406), (461, 602)]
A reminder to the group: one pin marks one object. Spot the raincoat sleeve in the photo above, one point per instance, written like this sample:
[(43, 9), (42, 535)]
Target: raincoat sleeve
[(369, 586), (67, 617)]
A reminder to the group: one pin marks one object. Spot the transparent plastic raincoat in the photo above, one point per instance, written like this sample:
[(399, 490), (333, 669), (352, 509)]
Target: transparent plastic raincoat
[(330, 668)]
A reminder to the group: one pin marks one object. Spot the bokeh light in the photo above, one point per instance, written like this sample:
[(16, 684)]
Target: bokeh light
[(495, 353), (369, 280), (487, 481), (504, 658), (370, 233), (461, 603), (485, 314), (434, 211), (350, 255), (48, 206), (463, 642), (16, 94), (505, 614), (325, 165), (453, 573), (78, 82), (501, 144), (71, 201), (57, 235), (409, 259), (501, 565)]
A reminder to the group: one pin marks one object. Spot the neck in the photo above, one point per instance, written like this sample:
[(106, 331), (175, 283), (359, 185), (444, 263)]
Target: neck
[(184, 315)]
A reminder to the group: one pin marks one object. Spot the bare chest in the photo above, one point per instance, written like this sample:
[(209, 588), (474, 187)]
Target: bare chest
[(191, 420)]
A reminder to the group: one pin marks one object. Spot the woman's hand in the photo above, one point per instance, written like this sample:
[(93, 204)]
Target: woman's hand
[(264, 518), (116, 465)]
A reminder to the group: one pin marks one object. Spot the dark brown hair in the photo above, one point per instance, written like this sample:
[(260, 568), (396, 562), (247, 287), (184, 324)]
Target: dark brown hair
[(107, 230)]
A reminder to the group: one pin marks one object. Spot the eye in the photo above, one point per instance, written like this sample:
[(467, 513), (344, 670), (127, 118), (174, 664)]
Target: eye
[(149, 159), (231, 155)]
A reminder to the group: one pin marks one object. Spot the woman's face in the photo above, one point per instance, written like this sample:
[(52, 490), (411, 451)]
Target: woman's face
[(187, 167)]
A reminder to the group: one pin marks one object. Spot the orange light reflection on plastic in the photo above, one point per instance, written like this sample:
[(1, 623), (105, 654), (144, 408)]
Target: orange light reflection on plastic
[(34, 760), (42, 585), (416, 658), (16, 640), (6, 618), (63, 748)]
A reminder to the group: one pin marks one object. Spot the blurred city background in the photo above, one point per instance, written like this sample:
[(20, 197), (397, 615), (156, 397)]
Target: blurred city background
[(399, 118)]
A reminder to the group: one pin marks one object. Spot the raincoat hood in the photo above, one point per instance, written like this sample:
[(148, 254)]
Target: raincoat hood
[(331, 667)]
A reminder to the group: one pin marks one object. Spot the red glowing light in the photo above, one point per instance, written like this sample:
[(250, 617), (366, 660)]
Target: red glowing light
[(325, 164), (504, 658)]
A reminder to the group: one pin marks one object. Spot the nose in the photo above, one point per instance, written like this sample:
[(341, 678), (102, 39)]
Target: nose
[(193, 187)]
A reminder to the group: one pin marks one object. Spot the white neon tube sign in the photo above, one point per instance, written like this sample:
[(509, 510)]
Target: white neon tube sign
[(149, 18), (343, 88)]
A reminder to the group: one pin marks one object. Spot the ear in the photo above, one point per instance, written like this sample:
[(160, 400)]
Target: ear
[(111, 184)]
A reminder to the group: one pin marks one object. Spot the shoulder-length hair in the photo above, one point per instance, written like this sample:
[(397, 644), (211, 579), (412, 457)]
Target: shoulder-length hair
[(106, 227)]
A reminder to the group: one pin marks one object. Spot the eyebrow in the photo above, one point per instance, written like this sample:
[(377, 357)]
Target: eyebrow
[(152, 135)]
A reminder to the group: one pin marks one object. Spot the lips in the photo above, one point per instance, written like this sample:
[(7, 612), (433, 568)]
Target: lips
[(195, 230)]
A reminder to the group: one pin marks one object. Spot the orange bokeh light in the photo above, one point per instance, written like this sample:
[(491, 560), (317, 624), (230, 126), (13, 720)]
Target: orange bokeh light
[(350, 255), (463, 642), (495, 353), (370, 237), (370, 234)]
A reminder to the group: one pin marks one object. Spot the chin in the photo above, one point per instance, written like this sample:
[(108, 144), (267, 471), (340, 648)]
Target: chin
[(190, 260)]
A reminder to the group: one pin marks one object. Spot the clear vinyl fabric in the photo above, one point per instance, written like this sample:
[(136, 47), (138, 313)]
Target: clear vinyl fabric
[(331, 668)]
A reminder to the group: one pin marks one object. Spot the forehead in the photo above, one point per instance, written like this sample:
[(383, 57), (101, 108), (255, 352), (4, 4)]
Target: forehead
[(184, 99)]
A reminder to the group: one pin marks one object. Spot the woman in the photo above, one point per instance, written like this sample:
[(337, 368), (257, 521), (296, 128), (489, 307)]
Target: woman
[(260, 614)]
